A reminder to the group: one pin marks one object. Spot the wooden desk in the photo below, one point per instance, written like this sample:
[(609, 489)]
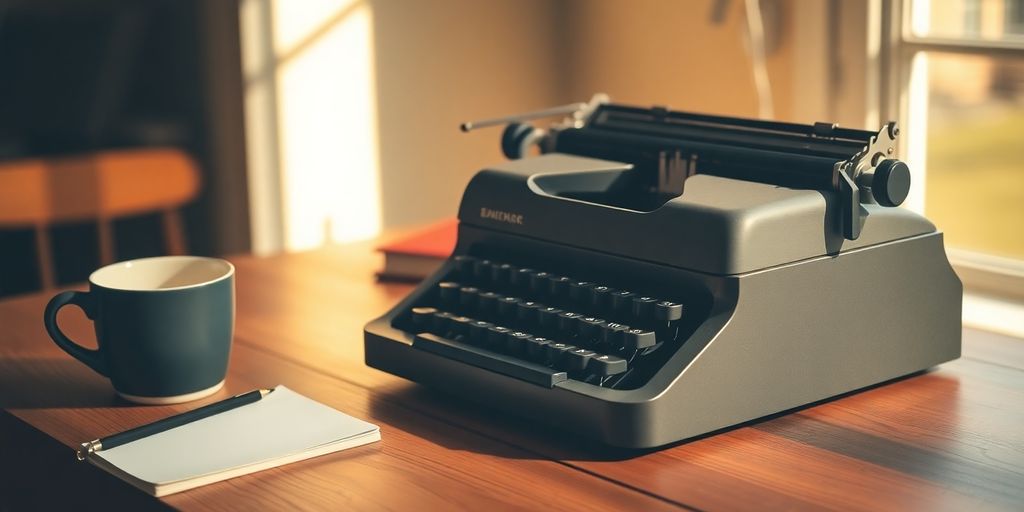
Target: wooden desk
[(951, 439)]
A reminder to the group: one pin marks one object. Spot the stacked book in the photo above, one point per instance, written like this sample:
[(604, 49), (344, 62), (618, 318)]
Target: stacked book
[(416, 256)]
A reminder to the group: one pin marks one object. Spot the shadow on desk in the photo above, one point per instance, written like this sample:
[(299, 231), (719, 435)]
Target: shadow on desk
[(39, 473), (508, 430), (45, 383), (550, 443)]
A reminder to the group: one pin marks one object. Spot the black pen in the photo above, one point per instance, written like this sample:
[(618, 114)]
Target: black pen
[(168, 423)]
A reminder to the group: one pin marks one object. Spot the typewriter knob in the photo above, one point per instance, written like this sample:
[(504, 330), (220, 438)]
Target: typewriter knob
[(891, 182), (517, 139)]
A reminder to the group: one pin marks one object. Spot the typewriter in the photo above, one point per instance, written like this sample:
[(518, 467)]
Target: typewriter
[(651, 276)]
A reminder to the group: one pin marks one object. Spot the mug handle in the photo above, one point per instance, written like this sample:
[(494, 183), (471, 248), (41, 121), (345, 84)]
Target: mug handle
[(91, 358)]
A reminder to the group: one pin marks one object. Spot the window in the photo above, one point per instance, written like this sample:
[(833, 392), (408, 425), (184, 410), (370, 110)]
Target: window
[(953, 73), (974, 183), (967, 96), (314, 175), (957, 67)]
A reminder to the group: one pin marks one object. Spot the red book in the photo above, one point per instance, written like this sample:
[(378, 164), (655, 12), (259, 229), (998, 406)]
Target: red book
[(416, 256)]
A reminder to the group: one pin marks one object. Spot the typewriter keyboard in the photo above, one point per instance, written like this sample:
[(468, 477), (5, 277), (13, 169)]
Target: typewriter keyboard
[(543, 327)]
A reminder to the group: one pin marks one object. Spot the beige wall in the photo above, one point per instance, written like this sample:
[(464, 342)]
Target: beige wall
[(443, 62), (648, 52), (438, 63)]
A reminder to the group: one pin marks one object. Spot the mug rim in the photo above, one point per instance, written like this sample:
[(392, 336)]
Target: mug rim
[(228, 274)]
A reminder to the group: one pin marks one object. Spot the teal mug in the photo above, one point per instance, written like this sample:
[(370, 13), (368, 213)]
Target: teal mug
[(163, 326)]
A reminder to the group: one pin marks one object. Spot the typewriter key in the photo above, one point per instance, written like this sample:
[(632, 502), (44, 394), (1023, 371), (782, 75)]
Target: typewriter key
[(421, 317)]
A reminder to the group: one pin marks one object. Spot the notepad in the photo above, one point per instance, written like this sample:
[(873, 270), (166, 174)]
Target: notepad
[(281, 428)]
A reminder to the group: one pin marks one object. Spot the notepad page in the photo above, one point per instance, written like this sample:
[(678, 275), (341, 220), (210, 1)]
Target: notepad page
[(281, 424)]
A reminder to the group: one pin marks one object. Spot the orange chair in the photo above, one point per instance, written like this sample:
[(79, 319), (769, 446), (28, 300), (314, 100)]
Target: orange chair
[(102, 186)]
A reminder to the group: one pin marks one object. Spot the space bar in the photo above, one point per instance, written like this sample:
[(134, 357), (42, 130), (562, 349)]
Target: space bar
[(483, 358)]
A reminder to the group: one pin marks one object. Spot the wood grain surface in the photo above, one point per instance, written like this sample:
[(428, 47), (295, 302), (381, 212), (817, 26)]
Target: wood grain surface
[(948, 439)]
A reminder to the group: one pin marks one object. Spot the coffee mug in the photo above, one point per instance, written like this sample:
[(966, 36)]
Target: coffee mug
[(163, 326)]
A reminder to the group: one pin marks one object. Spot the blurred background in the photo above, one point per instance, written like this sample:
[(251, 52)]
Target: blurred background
[(319, 121)]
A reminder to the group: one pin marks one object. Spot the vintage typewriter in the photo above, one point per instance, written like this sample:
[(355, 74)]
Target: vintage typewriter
[(655, 275)]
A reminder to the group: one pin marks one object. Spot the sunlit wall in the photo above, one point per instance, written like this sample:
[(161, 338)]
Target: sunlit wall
[(311, 122), (353, 107)]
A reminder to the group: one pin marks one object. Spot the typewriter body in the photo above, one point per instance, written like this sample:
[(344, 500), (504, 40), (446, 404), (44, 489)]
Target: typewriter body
[(653, 276)]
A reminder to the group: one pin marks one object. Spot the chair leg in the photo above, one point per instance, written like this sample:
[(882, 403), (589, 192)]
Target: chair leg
[(174, 233), (44, 256), (106, 239)]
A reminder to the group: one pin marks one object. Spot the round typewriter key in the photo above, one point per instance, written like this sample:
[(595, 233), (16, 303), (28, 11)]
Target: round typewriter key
[(668, 311), (449, 291), (482, 270), (527, 311), (643, 308), (500, 273), (468, 296), (539, 283), (558, 286), (556, 351), (599, 297), (567, 321), (464, 264), (486, 302), (496, 337), (507, 307), (611, 334), (589, 327), (478, 330), (421, 317), (579, 291), (515, 342), (548, 317), (622, 302), (536, 348), (520, 279), (440, 324), (460, 325)]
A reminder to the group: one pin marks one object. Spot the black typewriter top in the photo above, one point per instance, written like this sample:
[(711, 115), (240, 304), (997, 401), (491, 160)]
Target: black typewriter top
[(670, 146), (667, 147), (656, 184)]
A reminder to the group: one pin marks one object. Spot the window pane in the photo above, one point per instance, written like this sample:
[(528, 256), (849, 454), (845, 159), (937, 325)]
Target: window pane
[(974, 188), (987, 20)]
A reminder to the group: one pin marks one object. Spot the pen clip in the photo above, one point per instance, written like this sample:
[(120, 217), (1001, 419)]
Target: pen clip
[(87, 448)]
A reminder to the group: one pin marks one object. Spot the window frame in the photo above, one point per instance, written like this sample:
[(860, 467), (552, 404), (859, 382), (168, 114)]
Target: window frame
[(981, 273)]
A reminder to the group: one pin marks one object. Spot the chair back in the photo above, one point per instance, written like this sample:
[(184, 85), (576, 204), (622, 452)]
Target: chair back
[(100, 187)]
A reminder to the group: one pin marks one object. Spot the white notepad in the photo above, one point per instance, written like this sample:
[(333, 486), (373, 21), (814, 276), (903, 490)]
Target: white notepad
[(281, 428)]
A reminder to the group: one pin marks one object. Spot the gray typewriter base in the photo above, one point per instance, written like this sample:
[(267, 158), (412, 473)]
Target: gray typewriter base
[(776, 339)]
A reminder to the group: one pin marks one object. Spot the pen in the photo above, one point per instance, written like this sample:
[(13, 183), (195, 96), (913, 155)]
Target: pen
[(168, 423)]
